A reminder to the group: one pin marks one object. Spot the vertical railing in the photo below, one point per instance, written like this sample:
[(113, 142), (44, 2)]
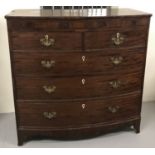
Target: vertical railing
[(79, 10)]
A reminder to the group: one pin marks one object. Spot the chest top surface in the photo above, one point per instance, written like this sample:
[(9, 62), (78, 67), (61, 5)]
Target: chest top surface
[(85, 13)]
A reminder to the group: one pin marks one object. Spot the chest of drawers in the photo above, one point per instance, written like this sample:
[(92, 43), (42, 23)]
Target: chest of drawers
[(77, 76)]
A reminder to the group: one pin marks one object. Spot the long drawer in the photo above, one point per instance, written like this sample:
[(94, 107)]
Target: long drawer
[(46, 40), (35, 88), (80, 24), (74, 113), (79, 63)]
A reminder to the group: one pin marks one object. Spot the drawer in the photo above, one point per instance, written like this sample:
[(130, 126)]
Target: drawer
[(77, 63), (72, 24), (120, 38), (74, 113), (35, 88), (111, 23), (46, 41)]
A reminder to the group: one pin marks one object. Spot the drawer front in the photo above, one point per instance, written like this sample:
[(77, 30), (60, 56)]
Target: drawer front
[(76, 113), (120, 38), (46, 40), (35, 88), (79, 63), (72, 24)]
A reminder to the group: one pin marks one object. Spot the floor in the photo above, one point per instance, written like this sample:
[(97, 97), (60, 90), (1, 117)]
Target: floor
[(127, 139)]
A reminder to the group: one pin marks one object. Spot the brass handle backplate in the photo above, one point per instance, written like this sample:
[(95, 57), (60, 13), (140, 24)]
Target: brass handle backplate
[(113, 109), (49, 115), (46, 41), (118, 39), (116, 60), (48, 64), (49, 89), (115, 84)]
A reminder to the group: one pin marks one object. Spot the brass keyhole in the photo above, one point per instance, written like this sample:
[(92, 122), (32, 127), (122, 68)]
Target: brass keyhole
[(83, 58), (83, 106), (83, 81)]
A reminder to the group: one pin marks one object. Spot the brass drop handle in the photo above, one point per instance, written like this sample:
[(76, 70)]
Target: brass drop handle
[(49, 115), (113, 109), (118, 39), (49, 89), (116, 60), (46, 41), (48, 64), (115, 84)]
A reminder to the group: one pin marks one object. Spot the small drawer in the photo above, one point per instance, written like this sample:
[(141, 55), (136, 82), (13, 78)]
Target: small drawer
[(35, 88), (46, 41), (32, 25), (120, 38), (79, 63), (72, 24), (75, 113), (98, 24)]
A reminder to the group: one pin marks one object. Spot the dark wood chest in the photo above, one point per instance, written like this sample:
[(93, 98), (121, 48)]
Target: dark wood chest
[(77, 76)]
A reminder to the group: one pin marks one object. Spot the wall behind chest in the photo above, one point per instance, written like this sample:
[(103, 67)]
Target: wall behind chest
[(149, 82), (6, 94)]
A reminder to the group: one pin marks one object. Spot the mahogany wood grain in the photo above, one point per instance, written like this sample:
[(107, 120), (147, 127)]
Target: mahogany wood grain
[(90, 131), (29, 25), (82, 109), (103, 39), (79, 63), (31, 88), (31, 40), (36, 14), (72, 114)]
